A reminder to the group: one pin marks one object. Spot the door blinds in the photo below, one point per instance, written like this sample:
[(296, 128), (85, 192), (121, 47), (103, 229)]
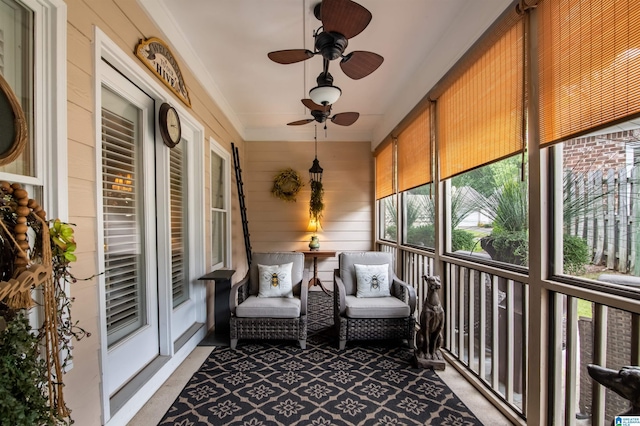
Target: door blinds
[(121, 206), (481, 113), (589, 56), (384, 170), (414, 152), (178, 195)]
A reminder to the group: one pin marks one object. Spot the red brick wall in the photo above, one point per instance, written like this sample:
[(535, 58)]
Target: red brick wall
[(597, 152)]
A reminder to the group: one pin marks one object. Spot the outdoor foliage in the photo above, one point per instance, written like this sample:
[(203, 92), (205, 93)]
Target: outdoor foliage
[(497, 191), (508, 208), (462, 240), (507, 246), (575, 254), (485, 179), (424, 236)]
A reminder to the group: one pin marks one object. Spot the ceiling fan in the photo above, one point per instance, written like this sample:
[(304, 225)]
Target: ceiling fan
[(322, 113), (341, 20)]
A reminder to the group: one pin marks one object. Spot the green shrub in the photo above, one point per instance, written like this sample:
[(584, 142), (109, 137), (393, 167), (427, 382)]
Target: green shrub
[(391, 233), (422, 236), (575, 255), (462, 240)]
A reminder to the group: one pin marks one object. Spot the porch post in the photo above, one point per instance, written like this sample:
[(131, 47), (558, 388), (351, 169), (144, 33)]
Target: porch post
[(537, 401)]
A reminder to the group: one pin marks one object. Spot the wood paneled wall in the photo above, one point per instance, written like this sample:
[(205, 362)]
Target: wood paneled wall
[(277, 225), (125, 23)]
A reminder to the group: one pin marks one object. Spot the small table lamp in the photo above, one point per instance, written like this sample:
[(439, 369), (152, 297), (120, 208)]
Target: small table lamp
[(314, 226)]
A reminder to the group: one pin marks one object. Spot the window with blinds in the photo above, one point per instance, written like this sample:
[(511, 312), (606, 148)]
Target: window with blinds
[(589, 65), (481, 111), (414, 153), (178, 194), (122, 206)]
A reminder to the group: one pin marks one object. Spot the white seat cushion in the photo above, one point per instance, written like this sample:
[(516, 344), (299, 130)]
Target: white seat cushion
[(376, 307), (269, 307)]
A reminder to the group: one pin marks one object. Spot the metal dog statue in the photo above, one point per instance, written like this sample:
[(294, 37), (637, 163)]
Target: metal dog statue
[(625, 383), (429, 338)]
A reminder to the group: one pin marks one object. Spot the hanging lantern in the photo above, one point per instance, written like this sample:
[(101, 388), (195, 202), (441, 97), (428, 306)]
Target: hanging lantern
[(315, 172)]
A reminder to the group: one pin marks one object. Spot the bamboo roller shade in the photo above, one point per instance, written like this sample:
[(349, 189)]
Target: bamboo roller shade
[(481, 114), (589, 56), (384, 171), (414, 153)]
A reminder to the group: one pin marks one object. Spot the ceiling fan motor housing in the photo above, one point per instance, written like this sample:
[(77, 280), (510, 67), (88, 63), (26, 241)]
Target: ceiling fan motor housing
[(331, 45), (320, 115), (324, 79)]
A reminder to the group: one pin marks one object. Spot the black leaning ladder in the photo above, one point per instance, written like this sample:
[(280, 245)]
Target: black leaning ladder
[(243, 206)]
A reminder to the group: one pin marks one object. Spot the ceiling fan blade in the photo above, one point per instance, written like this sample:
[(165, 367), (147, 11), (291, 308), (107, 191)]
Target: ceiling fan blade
[(312, 105), (300, 122), (344, 16), (360, 63), (345, 118), (290, 56)]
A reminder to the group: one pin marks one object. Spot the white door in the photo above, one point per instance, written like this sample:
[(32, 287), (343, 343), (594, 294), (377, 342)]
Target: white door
[(128, 229)]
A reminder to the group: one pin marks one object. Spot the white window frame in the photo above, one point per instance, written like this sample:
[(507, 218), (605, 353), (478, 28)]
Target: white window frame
[(50, 107), (216, 148), (49, 125)]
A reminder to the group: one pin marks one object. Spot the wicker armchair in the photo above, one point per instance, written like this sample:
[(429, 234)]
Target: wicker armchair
[(254, 317), (367, 318)]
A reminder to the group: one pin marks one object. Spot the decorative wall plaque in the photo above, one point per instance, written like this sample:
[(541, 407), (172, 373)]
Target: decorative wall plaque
[(157, 56)]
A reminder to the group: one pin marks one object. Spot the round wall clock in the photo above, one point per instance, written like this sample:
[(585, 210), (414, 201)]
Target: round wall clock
[(13, 125), (169, 121)]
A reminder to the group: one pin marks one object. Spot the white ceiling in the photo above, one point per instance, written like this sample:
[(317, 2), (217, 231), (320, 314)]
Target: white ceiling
[(226, 42)]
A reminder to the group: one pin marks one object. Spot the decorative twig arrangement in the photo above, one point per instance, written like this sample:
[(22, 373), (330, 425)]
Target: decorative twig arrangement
[(39, 264), (286, 185)]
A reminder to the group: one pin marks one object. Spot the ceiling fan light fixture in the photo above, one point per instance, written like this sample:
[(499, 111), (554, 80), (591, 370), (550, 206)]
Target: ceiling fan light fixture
[(325, 95)]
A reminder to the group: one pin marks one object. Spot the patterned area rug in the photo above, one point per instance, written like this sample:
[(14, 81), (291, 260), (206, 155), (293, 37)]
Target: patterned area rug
[(276, 383)]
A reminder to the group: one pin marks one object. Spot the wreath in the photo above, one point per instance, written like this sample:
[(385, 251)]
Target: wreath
[(287, 184), (13, 139)]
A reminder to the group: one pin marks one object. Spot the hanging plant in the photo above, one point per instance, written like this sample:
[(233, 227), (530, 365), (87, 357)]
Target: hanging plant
[(41, 264), (316, 204), (287, 184)]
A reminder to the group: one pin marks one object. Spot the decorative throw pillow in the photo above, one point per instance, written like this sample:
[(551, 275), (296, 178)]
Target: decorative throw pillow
[(372, 280), (275, 280)]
